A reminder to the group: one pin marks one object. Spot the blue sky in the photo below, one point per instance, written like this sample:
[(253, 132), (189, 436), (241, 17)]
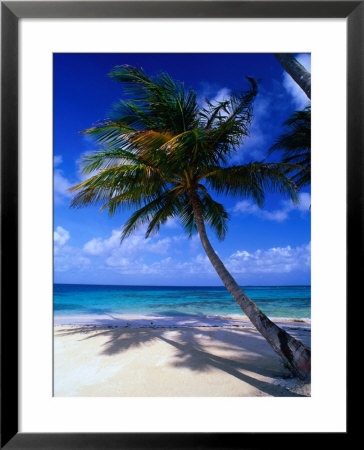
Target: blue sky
[(268, 246)]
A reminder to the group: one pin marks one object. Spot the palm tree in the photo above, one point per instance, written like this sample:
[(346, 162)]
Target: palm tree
[(296, 145), (164, 155), (296, 70)]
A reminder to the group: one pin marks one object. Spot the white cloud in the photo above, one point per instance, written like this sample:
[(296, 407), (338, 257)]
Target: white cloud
[(61, 183), (172, 222), (98, 246), (160, 246), (57, 160), (254, 147), (278, 215), (133, 245), (303, 204), (165, 267), (247, 207), (61, 186), (274, 260), (194, 242), (61, 236), (131, 258), (214, 96), (212, 92), (94, 247), (199, 264), (299, 98), (222, 95), (67, 258)]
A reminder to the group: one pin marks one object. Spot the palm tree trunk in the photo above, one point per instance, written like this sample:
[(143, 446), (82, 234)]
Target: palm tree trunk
[(295, 355), (296, 70)]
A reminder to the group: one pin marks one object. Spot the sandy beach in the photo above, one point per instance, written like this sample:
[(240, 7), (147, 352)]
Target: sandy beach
[(230, 359)]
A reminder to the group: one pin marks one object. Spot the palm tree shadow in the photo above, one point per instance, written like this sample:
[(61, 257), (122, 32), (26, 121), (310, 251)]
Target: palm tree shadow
[(192, 353), (198, 359), (119, 339)]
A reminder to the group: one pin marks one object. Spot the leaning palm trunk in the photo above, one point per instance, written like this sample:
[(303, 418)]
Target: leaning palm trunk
[(295, 355), (296, 70)]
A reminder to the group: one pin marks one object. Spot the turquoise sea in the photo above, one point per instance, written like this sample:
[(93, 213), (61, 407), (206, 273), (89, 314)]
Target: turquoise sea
[(92, 300)]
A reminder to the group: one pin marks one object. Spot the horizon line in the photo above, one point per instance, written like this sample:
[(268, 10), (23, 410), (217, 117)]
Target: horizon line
[(187, 285)]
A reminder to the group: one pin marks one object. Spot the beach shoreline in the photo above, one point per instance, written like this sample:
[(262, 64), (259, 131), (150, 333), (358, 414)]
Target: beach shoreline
[(130, 356), (157, 320)]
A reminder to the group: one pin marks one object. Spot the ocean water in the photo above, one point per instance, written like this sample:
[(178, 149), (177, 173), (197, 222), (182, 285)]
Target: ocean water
[(87, 300)]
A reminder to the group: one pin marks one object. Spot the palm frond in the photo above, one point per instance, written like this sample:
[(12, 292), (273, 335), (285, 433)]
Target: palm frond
[(252, 180), (105, 159), (187, 216), (165, 102), (295, 145), (154, 213), (214, 214), (119, 186), (109, 133), (229, 129)]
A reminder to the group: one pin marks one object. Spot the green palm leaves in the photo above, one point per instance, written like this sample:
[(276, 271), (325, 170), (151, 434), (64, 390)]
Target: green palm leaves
[(295, 145), (161, 152), (160, 104)]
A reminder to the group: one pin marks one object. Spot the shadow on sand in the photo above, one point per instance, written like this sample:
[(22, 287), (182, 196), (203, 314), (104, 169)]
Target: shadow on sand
[(246, 354)]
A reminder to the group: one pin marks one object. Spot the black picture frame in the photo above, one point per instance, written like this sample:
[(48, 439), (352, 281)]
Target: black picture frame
[(11, 12)]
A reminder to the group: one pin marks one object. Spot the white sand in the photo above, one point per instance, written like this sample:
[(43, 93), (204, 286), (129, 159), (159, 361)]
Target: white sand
[(185, 361)]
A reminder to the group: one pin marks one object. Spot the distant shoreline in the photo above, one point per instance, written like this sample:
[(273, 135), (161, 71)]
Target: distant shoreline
[(159, 321)]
